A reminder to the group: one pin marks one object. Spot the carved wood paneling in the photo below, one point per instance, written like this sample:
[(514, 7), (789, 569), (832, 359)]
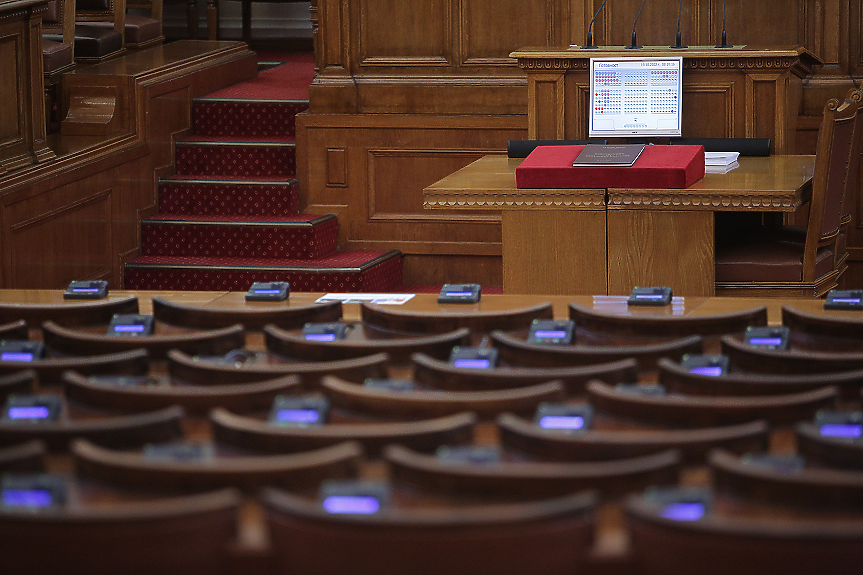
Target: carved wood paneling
[(488, 41), (398, 33), (11, 112), (716, 96)]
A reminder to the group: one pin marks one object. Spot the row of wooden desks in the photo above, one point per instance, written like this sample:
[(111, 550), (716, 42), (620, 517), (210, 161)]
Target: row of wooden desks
[(605, 241)]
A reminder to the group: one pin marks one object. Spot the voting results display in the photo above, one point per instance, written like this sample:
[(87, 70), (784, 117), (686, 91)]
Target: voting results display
[(635, 97)]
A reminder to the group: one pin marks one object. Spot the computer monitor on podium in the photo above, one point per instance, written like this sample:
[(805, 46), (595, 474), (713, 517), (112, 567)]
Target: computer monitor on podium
[(635, 96)]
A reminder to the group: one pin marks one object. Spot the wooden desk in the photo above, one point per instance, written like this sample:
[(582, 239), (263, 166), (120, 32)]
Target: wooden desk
[(584, 242)]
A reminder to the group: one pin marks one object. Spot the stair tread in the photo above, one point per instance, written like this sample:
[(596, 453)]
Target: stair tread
[(221, 180), (229, 140), (349, 260), (285, 221)]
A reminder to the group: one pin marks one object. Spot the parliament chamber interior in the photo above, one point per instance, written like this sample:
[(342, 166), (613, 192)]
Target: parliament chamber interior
[(320, 287)]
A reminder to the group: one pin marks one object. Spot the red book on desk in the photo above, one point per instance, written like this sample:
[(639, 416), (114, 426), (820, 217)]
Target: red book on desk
[(550, 167)]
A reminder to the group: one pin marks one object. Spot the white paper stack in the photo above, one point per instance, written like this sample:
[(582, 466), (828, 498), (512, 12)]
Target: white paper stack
[(720, 158)]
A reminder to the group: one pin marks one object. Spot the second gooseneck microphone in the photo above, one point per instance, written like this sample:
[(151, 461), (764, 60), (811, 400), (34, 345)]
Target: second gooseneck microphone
[(589, 45), (678, 45), (634, 44)]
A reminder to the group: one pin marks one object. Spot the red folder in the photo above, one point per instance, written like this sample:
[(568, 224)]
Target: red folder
[(550, 167)]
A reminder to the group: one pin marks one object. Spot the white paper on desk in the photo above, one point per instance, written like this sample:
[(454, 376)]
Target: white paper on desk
[(378, 298), (721, 169), (720, 158)]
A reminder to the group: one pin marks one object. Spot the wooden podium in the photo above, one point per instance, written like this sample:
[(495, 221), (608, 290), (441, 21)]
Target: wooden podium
[(746, 92)]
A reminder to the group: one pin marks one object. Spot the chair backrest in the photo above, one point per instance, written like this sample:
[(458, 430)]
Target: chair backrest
[(852, 183), (28, 457), (548, 536), (251, 316), (22, 382), (69, 314), (173, 536), (102, 11), (478, 322), (59, 19), (831, 451), (792, 361), (832, 155), (50, 370)]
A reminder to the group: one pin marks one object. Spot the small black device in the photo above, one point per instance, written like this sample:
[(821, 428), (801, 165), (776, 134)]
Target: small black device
[(474, 357), (712, 365), (767, 337), (180, 451), (268, 291), (29, 409), (784, 463), (555, 331), (649, 390), (680, 503), (390, 384), (564, 417), (354, 497), (299, 410), (851, 299), (325, 331), (650, 296), (847, 425), (460, 293), (21, 350), (237, 356), (97, 289), (32, 491), (131, 325), (469, 454)]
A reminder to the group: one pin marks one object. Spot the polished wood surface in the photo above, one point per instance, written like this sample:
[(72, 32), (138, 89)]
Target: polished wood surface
[(578, 241)]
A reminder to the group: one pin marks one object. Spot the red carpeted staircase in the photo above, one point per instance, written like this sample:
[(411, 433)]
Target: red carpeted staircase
[(229, 215)]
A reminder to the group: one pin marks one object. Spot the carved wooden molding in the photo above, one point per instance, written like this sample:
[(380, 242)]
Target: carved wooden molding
[(697, 200), (517, 200)]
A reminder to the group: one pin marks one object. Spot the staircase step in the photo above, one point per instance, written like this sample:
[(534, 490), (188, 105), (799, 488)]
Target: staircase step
[(302, 237), (224, 196), (248, 117), (245, 157), (349, 271)]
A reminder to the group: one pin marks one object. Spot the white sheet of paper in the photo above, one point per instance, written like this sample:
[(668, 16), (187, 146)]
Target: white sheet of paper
[(378, 298)]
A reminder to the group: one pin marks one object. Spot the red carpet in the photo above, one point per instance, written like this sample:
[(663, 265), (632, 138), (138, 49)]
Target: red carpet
[(229, 217)]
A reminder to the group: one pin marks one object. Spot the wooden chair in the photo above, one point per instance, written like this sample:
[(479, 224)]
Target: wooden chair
[(213, 30), (763, 262), (209, 342), (50, 370), (789, 362), (58, 55), (821, 331), (251, 316), (15, 330), (518, 351), (99, 30), (144, 31), (694, 444), (363, 341), (677, 378), (200, 371), (718, 545), (548, 536), (295, 471), (241, 397), (446, 320), (187, 535), (444, 375), (531, 479), (115, 431), (701, 411), (26, 457), (258, 435), (69, 314), (22, 382), (665, 326), (421, 404), (813, 488), (830, 451), (850, 197)]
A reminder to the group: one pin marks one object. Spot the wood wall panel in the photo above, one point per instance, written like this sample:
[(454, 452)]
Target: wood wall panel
[(11, 112), (721, 99), (657, 25), (399, 33), (521, 23)]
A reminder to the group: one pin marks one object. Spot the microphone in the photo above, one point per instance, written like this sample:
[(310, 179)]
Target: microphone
[(589, 45), (724, 43), (634, 44), (678, 45)]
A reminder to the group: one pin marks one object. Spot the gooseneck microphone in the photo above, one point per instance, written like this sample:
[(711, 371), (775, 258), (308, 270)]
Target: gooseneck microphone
[(589, 45), (678, 45), (724, 43), (634, 44)]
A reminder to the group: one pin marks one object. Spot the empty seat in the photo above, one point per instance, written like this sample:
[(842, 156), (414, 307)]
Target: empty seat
[(530, 478), (22, 382), (719, 545), (444, 375), (446, 320), (202, 371), (252, 315), (435, 403), (424, 435), (823, 331), (792, 361), (69, 313), (50, 370), (28, 457), (15, 330), (704, 411), (187, 535), (597, 445), (76, 342), (294, 471), (832, 451), (549, 536), (362, 342), (239, 397)]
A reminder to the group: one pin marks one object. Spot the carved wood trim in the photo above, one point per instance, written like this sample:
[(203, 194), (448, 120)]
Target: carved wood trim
[(592, 200), (699, 200)]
